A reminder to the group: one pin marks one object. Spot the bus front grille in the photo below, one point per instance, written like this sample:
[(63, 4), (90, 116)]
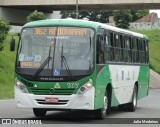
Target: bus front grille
[(60, 102), (56, 91)]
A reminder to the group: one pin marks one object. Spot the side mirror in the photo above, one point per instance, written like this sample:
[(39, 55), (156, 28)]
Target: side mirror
[(12, 44)]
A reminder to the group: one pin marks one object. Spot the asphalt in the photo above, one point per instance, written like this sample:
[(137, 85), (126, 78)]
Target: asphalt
[(154, 80)]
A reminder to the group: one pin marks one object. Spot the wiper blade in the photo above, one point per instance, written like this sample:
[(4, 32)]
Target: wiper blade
[(63, 59), (42, 66), (66, 65)]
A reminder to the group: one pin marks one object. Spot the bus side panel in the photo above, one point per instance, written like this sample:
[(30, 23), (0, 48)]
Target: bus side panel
[(103, 78), (123, 79), (143, 81), (114, 101)]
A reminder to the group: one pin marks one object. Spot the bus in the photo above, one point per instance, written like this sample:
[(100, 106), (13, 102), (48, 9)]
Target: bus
[(73, 64)]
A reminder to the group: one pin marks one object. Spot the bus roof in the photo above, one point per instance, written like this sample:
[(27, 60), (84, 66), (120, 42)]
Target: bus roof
[(83, 23), (105, 26), (63, 22)]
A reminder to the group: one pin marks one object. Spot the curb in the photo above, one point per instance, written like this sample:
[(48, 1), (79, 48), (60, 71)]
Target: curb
[(6, 100)]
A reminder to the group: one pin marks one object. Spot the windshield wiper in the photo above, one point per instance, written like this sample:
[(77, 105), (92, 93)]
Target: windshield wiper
[(63, 59), (43, 64)]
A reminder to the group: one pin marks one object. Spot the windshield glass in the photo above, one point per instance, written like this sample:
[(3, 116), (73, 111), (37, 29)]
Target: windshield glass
[(73, 43)]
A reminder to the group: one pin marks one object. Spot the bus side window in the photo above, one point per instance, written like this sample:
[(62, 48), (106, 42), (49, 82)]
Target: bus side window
[(127, 49), (142, 51), (135, 56), (108, 47), (112, 47), (121, 48), (147, 52), (118, 47), (99, 52)]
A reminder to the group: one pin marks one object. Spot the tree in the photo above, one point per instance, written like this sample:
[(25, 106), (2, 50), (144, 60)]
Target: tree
[(122, 18), (4, 28), (137, 14), (98, 16), (67, 14), (34, 16)]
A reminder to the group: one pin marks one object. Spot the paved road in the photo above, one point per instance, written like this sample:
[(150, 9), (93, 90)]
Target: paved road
[(148, 107)]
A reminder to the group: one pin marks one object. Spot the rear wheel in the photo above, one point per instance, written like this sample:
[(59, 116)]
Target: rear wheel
[(39, 112), (122, 107), (133, 104), (101, 113)]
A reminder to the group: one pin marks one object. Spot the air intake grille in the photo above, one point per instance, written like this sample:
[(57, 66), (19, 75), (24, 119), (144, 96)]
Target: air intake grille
[(56, 91)]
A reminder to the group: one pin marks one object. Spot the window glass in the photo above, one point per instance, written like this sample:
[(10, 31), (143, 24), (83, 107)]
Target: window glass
[(40, 43), (142, 48), (109, 49), (135, 54), (118, 47), (127, 49)]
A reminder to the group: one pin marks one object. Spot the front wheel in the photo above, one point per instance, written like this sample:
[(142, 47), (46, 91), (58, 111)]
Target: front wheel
[(101, 113), (39, 112)]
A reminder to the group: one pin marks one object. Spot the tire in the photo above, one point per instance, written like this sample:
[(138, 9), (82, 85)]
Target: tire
[(39, 112), (122, 107), (109, 103), (101, 113), (133, 104)]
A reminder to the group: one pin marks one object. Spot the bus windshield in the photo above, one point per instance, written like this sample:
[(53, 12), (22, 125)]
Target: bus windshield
[(72, 44)]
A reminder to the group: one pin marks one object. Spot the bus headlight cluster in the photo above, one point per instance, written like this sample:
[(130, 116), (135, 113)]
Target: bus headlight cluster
[(87, 86), (21, 86)]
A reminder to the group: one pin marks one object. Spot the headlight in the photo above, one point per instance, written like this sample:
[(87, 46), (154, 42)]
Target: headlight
[(20, 86), (87, 86)]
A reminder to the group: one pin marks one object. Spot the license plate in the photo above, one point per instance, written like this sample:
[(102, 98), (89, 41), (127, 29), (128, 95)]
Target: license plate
[(51, 100)]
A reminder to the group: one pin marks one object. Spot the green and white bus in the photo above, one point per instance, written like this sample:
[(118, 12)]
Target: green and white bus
[(80, 65)]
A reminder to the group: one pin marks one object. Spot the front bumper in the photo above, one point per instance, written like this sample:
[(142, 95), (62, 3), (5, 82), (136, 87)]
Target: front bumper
[(75, 101)]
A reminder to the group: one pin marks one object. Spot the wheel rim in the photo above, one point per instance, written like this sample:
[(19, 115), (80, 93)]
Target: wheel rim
[(105, 105)]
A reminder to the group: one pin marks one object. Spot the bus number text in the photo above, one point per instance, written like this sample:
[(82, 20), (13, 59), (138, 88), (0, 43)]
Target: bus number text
[(73, 85)]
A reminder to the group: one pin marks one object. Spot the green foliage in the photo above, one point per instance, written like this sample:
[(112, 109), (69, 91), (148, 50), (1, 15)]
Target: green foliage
[(4, 28), (154, 46), (137, 14), (34, 16), (7, 61), (98, 16), (122, 18)]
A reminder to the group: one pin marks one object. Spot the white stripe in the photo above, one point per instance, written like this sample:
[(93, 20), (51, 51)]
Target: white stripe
[(6, 100), (100, 71)]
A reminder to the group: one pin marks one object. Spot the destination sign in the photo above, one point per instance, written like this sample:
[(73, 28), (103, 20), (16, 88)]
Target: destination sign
[(30, 64), (60, 31)]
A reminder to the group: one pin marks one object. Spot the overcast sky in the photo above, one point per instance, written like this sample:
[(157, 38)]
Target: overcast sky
[(157, 11)]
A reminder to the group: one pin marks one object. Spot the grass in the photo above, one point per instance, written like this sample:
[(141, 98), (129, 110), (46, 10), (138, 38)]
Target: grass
[(154, 47), (7, 60)]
